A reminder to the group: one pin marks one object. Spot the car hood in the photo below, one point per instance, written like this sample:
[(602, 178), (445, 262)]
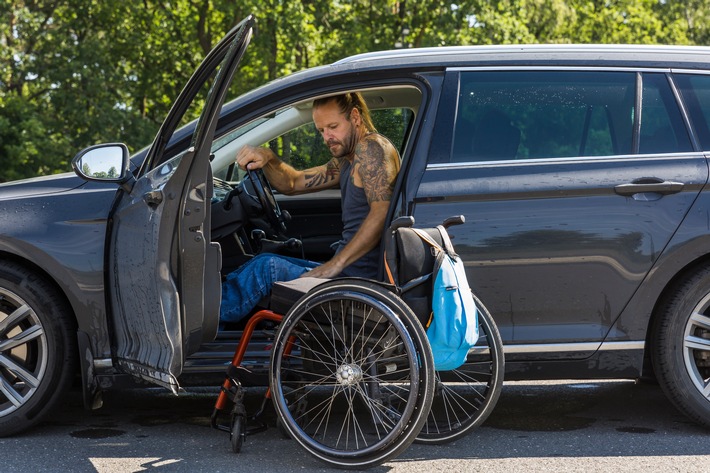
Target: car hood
[(53, 184)]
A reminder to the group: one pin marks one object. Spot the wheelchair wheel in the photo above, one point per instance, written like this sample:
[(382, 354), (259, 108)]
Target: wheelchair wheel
[(465, 397), (356, 360), (237, 433)]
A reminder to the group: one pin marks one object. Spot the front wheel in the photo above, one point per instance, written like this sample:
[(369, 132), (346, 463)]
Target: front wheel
[(36, 348), (680, 347), (238, 432)]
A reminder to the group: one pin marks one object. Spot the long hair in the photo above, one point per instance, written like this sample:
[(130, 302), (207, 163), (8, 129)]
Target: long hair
[(346, 103)]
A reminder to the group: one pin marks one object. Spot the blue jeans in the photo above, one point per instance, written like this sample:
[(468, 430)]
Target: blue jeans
[(246, 286)]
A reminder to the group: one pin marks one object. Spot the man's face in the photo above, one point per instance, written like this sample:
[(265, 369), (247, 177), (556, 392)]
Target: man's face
[(339, 133)]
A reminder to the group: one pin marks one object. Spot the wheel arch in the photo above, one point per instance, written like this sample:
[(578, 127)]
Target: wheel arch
[(86, 304), (669, 288), (45, 275), (688, 250)]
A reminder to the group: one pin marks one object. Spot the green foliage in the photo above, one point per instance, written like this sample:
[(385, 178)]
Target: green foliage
[(79, 72)]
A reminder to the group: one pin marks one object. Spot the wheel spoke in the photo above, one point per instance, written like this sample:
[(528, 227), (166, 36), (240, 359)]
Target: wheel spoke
[(706, 390), (700, 320), (697, 343), (21, 338), (349, 423), (19, 371), (320, 413), (13, 396), (14, 318)]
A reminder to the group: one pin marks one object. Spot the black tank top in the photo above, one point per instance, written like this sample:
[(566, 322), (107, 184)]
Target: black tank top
[(355, 208)]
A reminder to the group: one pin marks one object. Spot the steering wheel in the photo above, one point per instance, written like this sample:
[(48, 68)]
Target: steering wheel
[(265, 195)]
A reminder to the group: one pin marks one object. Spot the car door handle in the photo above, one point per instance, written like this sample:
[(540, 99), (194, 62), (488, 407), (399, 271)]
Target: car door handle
[(649, 184), (153, 198)]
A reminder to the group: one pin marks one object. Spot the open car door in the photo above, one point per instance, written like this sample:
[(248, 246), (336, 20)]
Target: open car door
[(164, 272)]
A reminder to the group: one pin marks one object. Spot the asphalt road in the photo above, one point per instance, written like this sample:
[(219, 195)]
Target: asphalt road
[(537, 427)]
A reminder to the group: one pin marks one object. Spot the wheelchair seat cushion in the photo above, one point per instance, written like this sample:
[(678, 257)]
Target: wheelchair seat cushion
[(284, 294)]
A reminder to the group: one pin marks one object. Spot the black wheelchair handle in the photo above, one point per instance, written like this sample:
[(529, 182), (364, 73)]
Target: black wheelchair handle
[(399, 222), (456, 220)]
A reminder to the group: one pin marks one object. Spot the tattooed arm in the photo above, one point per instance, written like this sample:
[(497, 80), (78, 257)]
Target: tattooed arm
[(285, 178), (375, 168)]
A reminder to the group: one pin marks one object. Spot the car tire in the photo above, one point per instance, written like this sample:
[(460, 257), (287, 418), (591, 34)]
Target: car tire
[(680, 349), (37, 348)]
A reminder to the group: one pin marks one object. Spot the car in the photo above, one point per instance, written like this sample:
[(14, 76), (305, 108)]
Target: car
[(581, 171)]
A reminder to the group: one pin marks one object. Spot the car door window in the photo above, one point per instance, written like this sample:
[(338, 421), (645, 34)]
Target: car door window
[(695, 89), (303, 147), (662, 127), (560, 114)]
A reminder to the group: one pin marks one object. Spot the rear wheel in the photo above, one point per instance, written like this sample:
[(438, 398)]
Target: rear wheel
[(36, 348), (357, 362), (680, 347), (465, 397)]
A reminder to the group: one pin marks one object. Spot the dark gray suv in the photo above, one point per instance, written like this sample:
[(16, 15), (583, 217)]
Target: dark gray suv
[(580, 169)]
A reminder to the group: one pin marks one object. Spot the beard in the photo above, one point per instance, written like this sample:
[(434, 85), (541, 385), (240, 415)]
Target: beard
[(345, 147)]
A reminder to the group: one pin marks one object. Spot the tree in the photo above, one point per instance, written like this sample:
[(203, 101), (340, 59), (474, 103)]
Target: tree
[(79, 72)]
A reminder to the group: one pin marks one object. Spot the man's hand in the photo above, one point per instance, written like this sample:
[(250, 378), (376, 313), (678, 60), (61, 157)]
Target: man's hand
[(253, 157), (326, 270)]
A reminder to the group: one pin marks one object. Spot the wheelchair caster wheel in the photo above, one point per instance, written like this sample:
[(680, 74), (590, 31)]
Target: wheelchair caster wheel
[(238, 432)]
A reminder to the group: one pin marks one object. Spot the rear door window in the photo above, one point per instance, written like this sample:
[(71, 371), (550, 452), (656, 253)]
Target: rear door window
[(662, 127), (695, 89), (505, 115)]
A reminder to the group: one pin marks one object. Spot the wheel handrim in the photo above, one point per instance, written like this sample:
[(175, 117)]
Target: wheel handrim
[(23, 352), (696, 346)]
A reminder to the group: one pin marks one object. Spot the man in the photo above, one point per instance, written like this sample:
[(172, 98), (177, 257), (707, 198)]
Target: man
[(365, 165)]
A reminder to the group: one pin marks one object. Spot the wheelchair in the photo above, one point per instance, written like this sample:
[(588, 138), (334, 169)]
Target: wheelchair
[(351, 373)]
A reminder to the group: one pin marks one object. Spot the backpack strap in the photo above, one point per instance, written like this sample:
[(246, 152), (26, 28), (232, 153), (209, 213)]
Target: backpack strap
[(439, 251), (446, 240), (424, 236)]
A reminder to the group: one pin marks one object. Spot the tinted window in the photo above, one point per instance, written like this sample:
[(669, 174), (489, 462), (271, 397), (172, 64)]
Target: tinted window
[(557, 114), (303, 147), (662, 127), (695, 90)]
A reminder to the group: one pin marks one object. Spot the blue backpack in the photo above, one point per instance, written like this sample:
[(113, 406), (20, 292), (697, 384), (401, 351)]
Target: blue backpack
[(453, 327)]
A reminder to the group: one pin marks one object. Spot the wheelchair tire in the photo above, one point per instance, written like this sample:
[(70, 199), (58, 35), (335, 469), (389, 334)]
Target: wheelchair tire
[(360, 360), (237, 433), (465, 397)]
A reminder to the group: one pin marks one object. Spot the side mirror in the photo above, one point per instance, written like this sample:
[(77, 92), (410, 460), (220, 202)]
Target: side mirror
[(103, 163)]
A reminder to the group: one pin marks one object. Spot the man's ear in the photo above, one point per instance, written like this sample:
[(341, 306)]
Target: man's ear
[(355, 116)]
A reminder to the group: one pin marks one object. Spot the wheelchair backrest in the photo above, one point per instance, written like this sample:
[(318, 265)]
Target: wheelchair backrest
[(410, 263)]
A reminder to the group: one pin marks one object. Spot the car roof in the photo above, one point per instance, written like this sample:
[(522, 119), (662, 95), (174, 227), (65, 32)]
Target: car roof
[(422, 60), (617, 55)]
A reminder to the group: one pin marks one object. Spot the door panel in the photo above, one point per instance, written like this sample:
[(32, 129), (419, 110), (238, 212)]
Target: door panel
[(551, 248), (164, 272)]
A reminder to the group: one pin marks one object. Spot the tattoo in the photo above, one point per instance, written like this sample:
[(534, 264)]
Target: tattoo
[(375, 171), (324, 174)]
